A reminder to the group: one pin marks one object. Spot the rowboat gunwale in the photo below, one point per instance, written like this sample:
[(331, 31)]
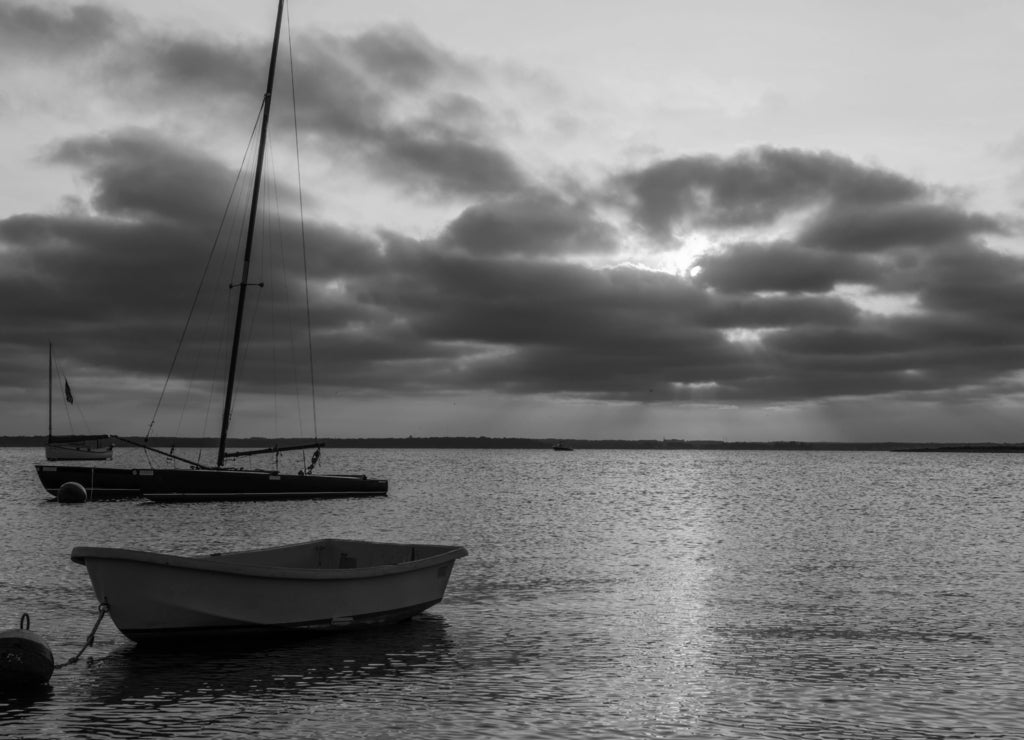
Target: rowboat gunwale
[(222, 563)]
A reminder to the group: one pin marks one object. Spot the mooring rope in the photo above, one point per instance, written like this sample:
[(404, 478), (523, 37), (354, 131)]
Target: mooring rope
[(88, 641)]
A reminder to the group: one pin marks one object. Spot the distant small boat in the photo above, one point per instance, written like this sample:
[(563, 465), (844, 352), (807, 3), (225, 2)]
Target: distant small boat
[(562, 447), (79, 448), (73, 447), (326, 584)]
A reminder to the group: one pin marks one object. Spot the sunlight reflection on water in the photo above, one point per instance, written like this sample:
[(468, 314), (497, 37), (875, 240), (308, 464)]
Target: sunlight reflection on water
[(606, 594)]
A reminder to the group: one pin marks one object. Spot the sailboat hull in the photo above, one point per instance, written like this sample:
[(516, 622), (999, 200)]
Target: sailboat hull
[(78, 451), (100, 483), (174, 485)]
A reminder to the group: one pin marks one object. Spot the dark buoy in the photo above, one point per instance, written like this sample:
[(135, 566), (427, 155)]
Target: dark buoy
[(26, 662), (72, 492)]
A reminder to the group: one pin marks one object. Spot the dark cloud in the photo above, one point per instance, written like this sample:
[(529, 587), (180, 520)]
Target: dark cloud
[(752, 311), (137, 174), (883, 237), (401, 103), (196, 69), (902, 355), (971, 281), (876, 227), (96, 286), (782, 266), (753, 188), (509, 320), (540, 327), (403, 58), (112, 281), (537, 224), (490, 305), (445, 165), (46, 33), (388, 99)]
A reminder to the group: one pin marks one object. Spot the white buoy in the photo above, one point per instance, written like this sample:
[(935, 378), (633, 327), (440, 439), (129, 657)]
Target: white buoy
[(72, 492)]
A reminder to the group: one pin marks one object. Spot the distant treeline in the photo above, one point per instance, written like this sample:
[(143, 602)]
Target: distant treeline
[(526, 443)]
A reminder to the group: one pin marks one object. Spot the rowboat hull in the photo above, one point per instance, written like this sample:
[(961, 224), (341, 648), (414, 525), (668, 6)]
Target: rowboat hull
[(320, 585), (169, 485)]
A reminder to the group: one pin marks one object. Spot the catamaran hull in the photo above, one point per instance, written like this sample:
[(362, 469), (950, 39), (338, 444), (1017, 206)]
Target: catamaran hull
[(168, 485), (153, 597)]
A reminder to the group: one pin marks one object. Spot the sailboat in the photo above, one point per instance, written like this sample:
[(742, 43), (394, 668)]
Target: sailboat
[(218, 482), (72, 446)]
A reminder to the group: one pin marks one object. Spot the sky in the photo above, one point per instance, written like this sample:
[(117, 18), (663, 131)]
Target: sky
[(735, 220)]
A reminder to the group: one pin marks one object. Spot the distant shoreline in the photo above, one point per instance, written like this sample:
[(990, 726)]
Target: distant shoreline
[(526, 443)]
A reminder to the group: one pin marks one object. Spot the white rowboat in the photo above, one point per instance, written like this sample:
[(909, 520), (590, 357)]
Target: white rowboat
[(326, 584)]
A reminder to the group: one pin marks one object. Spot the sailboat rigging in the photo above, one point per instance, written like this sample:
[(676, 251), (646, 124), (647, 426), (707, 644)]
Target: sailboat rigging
[(201, 482)]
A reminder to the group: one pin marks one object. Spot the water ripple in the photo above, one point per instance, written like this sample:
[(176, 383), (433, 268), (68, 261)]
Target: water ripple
[(608, 594)]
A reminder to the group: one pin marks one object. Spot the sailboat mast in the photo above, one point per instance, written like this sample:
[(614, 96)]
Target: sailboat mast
[(49, 406), (248, 243)]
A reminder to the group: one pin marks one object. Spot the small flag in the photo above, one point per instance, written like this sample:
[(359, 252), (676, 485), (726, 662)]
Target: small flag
[(67, 392)]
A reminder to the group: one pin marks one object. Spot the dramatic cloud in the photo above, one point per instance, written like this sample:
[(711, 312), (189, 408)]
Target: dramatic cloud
[(387, 98), (894, 224), (531, 224), (784, 267), (751, 189), (799, 276), (138, 175)]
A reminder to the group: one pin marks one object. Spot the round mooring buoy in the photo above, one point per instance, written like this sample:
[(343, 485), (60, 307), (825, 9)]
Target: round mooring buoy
[(25, 659), (72, 492)]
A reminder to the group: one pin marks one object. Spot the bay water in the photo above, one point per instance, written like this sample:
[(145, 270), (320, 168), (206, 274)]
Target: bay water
[(607, 594)]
